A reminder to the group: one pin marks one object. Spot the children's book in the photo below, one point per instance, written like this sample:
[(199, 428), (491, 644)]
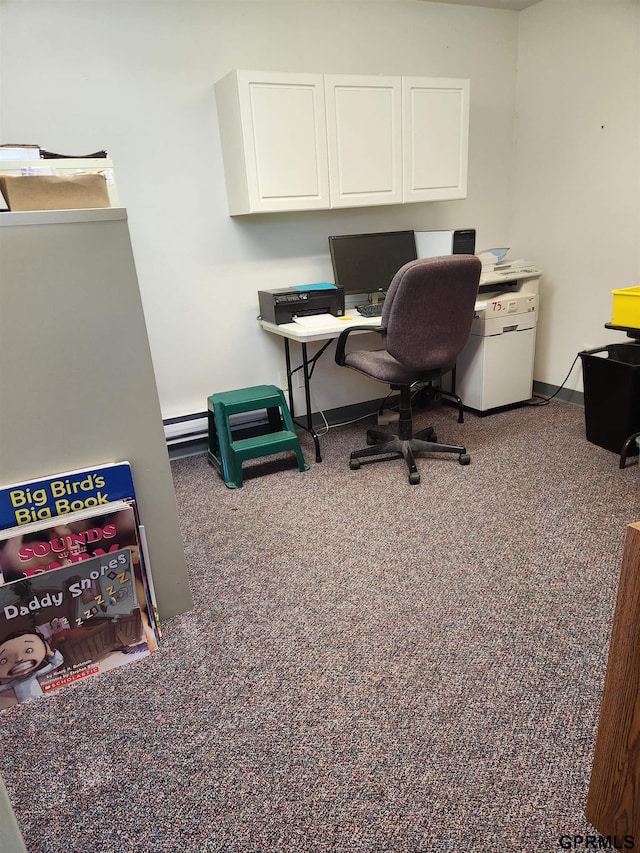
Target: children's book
[(43, 546), (45, 498), (64, 625), (57, 494)]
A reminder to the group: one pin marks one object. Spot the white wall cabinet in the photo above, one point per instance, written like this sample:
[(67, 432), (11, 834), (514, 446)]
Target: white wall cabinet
[(311, 141), (435, 133), (364, 138), (274, 141)]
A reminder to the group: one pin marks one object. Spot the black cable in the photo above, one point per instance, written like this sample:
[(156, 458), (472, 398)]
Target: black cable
[(544, 400)]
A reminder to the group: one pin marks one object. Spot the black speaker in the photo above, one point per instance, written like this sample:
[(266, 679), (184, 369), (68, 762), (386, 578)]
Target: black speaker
[(464, 242)]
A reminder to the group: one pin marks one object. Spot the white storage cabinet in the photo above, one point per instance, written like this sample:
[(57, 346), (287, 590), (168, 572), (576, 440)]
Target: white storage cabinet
[(312, 141), (364, 137), (274, 141), (435, 132)]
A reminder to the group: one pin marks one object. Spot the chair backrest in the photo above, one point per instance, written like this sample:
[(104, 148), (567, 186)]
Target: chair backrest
[(428, 311)]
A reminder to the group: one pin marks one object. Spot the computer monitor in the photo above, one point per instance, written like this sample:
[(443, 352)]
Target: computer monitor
[(366, 263)]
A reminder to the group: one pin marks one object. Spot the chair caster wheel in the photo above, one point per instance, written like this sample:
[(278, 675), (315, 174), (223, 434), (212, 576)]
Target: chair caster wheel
[(464, 459), (433, 437), (354, 464), (370, 441), (414, 478)]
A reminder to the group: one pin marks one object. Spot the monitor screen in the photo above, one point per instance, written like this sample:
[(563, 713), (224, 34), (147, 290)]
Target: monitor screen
[(366, 263)]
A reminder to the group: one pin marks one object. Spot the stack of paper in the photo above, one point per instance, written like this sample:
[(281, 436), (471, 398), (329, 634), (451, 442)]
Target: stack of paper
[(19, 152), (315, 321)]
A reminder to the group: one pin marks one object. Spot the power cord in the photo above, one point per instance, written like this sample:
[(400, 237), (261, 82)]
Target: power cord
[(378, 410), (543, 401), (328, 426), (354, 421)]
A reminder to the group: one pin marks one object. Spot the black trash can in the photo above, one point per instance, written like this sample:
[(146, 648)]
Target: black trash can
[(611, 377)]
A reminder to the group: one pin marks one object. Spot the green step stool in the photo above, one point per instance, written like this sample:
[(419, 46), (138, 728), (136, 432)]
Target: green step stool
[(228, 453)]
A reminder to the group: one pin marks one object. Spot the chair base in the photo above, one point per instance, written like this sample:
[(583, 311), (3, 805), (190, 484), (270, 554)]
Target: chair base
[(389, 444)]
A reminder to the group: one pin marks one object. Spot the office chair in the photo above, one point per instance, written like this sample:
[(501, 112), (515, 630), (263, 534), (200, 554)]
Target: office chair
[(426, 320)]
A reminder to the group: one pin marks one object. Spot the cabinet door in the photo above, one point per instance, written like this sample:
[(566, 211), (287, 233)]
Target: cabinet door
[(364, 136), (274, 146), (435, 138)]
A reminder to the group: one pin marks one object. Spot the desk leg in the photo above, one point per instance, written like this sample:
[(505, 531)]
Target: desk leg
[(287, 361), (307, 397), (307, 394)]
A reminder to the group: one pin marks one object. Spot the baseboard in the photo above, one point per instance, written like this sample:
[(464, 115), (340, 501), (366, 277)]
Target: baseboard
[(567, 395), (188, 435), (177, 430)]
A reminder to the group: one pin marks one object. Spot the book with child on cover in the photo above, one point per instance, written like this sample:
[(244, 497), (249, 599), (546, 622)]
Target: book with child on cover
[(43, 546), (67, 624)]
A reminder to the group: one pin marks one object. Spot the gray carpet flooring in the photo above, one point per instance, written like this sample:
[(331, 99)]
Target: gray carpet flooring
[(369, 665)]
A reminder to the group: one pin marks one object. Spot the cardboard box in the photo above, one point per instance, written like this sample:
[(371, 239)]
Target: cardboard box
[(51, 192)]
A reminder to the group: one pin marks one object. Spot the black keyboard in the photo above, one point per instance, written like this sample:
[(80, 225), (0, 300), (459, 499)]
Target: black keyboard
[(370, 309)]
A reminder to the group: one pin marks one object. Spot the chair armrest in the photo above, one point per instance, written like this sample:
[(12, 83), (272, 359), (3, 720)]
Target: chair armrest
[(342, 339)]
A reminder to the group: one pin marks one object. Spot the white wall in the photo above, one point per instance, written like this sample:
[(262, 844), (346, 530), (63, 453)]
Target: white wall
[(137, 78), (576, 193)]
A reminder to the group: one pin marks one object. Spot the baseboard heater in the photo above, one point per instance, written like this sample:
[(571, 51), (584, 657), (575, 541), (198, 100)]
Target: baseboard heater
[(190, 429)]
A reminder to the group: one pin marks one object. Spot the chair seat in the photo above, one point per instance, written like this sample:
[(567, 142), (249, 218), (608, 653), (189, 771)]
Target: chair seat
[(384, 367)]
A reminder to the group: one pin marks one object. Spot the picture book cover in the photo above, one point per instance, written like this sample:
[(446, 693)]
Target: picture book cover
[(58, 494), (67, 624), (42, 546)]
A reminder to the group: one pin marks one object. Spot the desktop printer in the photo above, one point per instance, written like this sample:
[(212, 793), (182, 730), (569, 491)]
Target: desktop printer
[(283, 304)]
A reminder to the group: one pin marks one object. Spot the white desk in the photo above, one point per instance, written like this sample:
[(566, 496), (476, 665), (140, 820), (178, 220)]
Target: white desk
[(328, 333), (303, 336), (515, 276), (333, 327)]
